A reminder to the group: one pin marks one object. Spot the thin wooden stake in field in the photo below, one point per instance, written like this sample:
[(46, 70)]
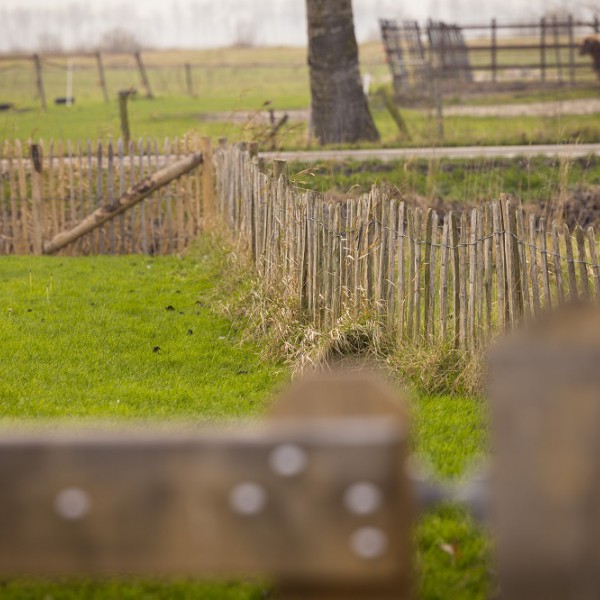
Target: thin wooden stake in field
[(39, 82), (37, 215), (124, 116), (132, 196), (101, 77), (143, 75), (188, 80)]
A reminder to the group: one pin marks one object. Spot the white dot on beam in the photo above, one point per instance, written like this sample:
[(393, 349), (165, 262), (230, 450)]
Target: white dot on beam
[(288, 460), (247, 498), (72, 503), (368, 542), (362, 498)]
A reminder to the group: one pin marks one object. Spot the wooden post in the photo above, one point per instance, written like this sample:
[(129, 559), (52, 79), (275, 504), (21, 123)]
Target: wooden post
[(444, 278), (188, 80), (417, 241), (328, 399), (494, 50), (543, 48), (37, 215), (572, 278), (545, 429), (132, 196), (544, 264), (401, 301), (101, 78), (208, 184), (571, 51), (557, 263), (462, 283), (124, 116), (279, 168), (583, 261), (37, 63), (143, 75), (4, 217), (556, 40), (437, 97), (454, 245)]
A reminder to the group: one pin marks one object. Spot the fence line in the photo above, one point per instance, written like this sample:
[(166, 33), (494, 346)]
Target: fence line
[(78, 178), (547, 51), (457, 279)]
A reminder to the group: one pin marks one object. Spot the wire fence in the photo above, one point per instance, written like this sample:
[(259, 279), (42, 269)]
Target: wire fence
[(547, 52), (459, 279)]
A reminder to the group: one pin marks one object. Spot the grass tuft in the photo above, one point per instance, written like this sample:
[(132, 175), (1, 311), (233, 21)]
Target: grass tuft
[(266, 311)]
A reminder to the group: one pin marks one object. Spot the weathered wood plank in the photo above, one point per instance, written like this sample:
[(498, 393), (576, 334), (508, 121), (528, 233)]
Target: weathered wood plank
[(133, 195)]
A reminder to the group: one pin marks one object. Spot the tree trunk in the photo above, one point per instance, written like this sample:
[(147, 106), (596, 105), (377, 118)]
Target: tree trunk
[(340, 113)]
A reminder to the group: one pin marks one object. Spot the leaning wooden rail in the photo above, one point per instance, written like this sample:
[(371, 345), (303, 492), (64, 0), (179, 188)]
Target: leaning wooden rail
[(130, 198)]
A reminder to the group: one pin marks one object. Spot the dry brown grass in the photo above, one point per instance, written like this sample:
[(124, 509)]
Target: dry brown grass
[(267, 314)]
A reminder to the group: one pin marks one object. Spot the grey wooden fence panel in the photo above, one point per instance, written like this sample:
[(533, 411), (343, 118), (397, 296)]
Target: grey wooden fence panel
[(374, 255)]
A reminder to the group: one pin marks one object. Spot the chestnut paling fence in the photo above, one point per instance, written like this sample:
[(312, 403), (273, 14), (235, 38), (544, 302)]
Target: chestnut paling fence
[(457, 279), (77, 178)]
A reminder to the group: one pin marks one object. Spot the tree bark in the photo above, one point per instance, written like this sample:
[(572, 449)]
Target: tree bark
[(340, 113)]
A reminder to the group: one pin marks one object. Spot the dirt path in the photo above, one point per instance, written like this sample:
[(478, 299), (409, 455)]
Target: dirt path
[(387, 154), (464, 152), (583, 106)]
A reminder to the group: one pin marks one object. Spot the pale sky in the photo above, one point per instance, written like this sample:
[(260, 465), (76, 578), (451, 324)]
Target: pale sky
[(209, 23)]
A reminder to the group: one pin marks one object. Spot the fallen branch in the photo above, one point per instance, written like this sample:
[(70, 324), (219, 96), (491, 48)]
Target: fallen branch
[(131, 197)]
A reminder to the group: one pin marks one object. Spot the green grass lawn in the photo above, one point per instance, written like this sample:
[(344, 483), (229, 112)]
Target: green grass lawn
[(121, 337), (79, 338), (171, 116), (235, 79)]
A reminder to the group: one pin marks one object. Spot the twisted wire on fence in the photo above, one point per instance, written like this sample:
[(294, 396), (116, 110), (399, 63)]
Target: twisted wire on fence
[(343, 235), (459, 279)]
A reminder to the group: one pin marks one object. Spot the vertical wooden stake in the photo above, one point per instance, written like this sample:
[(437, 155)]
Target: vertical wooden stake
[(444, 277), (583, 259), (39, 80), (37, 183), (543, 48), (101, 78), (454, 244), (544, 263), (556, 40), (594, 258), (571, 51), (188, 80), (124, 115), (573, 292), (401, 302), (494, 50), (143, 75), (557, 263)]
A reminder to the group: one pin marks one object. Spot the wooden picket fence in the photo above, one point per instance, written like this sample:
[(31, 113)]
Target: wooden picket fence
[(79, 178), (458, 279)]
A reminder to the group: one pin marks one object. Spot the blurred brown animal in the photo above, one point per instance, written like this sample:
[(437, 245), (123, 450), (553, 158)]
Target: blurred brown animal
[(591, 46)]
